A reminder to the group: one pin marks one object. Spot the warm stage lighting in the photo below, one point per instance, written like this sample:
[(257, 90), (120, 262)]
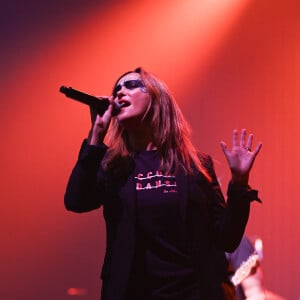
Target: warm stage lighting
[(77, 291), (221, 58)]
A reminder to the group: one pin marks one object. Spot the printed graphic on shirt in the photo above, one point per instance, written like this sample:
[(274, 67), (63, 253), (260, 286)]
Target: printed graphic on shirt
[(156, 180)]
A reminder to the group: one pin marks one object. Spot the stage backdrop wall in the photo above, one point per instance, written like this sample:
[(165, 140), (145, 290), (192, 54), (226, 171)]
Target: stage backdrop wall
[(230, 64)]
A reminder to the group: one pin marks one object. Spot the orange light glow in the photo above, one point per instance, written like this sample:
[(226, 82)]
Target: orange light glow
[(77, 291), (230, 63)]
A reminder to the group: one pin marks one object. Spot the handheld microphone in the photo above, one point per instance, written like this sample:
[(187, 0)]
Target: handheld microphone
[(100, 104)]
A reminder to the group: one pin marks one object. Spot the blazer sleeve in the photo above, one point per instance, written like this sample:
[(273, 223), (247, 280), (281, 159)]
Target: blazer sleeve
[(230, 216), (83, 192)]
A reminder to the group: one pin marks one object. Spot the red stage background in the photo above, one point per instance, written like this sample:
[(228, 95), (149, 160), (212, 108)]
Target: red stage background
[(230, 63)]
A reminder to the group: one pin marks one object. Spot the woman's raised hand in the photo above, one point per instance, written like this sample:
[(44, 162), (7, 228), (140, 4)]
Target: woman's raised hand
[(240, 157)]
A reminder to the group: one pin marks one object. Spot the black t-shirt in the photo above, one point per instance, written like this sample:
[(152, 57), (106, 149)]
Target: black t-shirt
[(163, 268)]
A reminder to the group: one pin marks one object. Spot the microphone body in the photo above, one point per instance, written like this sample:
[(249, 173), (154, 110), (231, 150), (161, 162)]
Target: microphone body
[(100, 104)]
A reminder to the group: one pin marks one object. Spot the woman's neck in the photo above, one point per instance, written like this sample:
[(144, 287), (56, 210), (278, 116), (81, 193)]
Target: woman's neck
[(140, 140)]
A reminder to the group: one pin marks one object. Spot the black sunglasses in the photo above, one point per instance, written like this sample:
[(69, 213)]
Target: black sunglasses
[(130, 85)]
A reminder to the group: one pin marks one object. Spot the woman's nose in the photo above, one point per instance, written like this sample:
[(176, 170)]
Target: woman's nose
[(120, 92)]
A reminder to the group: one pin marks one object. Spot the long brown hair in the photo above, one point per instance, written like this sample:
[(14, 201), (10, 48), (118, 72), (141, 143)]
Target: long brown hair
[(171, 132)]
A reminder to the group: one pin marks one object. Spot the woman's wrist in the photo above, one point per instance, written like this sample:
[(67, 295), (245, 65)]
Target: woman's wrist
[(239, 180), (94, 139)]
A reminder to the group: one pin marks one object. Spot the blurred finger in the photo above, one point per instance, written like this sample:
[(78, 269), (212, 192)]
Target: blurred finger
[(243, 138), (234, 138), (249, 142), (224, 147), (257, 149)]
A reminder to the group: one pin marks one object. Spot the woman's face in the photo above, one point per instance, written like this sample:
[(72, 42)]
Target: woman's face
[(131, 93)]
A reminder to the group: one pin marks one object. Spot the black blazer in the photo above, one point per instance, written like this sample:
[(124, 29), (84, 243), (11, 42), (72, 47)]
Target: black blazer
[(216, 227)]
